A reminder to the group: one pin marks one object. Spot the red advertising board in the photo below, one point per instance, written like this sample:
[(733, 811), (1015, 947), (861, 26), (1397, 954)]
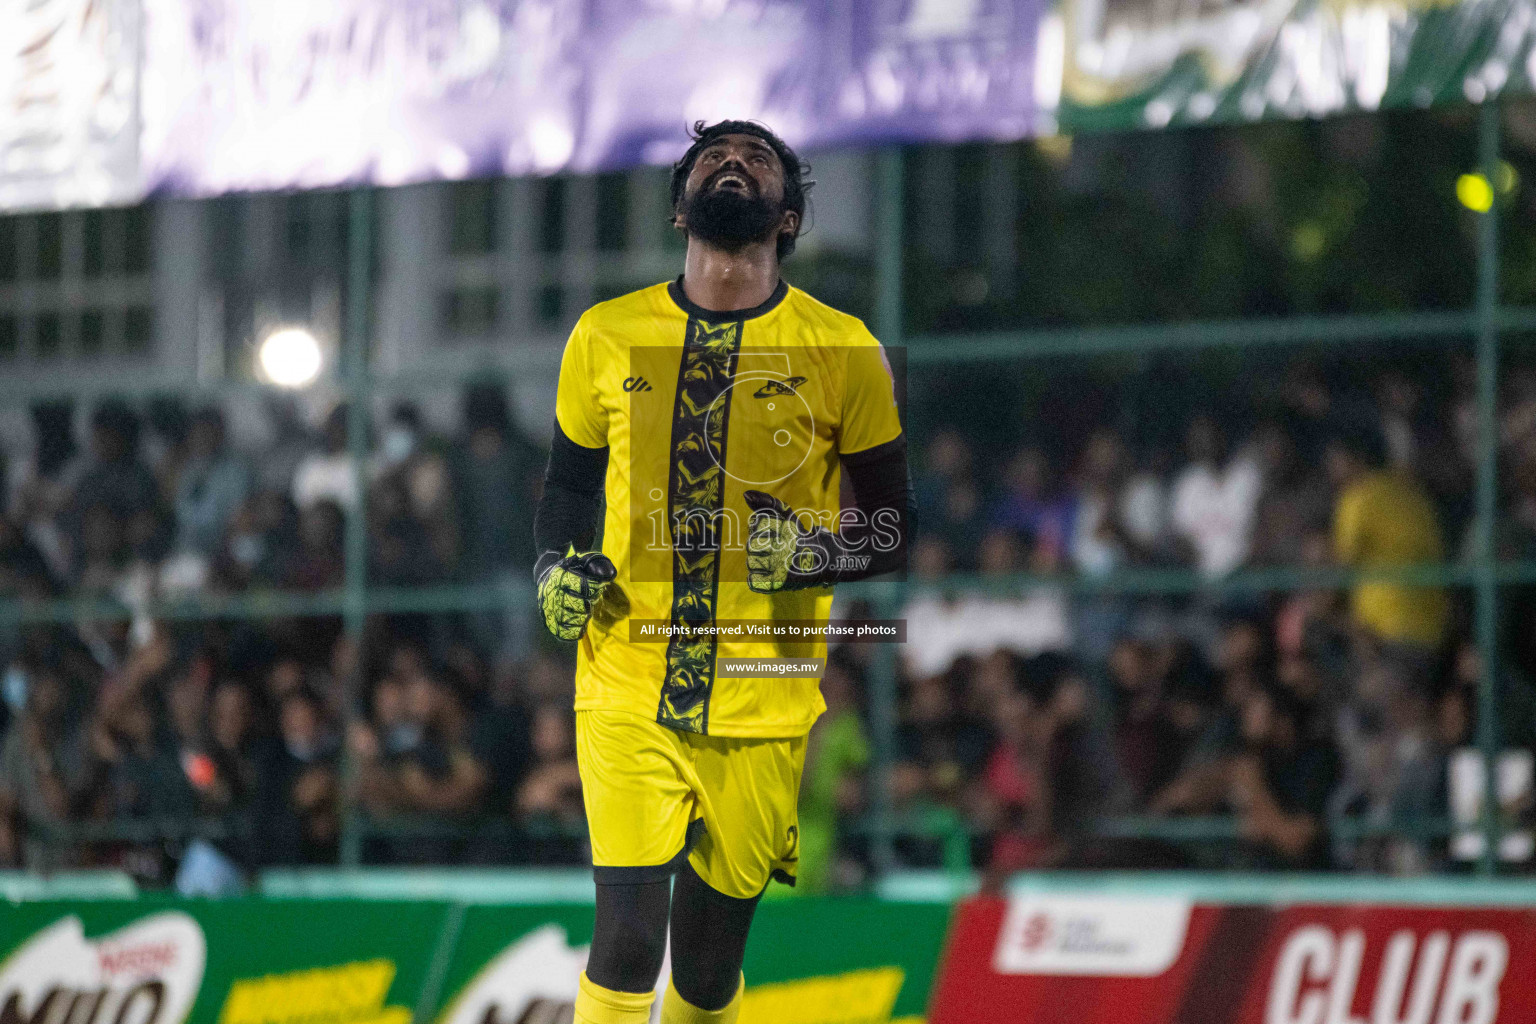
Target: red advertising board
[(1126, 959)]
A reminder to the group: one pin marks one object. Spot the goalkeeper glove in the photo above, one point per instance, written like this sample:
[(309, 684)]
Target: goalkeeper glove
[(570, 587), (781, 555)]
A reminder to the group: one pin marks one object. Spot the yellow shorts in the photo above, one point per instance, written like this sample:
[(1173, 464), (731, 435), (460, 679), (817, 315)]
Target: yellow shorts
[(655, 795)]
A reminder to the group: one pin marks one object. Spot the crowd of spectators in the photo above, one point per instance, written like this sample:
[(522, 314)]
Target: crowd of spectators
[(231, 729), (1033, 715), (1313, 727)]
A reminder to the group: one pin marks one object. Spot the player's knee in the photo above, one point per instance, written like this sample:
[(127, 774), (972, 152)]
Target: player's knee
[(709, 941), (709, 984)]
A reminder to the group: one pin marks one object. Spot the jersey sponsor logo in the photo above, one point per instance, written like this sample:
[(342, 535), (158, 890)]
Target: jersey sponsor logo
[(636, 384), (778, 387)]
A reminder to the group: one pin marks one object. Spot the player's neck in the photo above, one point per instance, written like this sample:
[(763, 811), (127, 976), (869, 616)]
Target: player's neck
[(725, 281)]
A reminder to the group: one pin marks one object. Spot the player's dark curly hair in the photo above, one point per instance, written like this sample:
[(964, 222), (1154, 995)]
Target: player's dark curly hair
[(796, 171)]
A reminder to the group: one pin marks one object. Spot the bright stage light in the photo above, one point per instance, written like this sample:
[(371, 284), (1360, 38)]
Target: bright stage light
[(290, 357)]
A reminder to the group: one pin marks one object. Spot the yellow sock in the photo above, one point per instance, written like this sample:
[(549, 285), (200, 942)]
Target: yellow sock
[(598, 1005), (677, 1010)]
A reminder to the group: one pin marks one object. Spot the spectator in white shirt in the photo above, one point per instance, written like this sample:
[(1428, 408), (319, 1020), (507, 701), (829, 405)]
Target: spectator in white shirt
[(1098, 542), (326, 475), (1121, 513), (942, 628), (1214, 500)]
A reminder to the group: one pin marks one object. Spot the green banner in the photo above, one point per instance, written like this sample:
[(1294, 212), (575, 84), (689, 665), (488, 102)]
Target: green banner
[(243, 962), (867, 962), (834, 961), (1144, 64), (162, 961)]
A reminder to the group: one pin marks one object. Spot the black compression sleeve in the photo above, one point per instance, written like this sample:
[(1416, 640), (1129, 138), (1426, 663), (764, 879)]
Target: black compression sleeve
[(882, 492), (709, 940), (573, 491), (629, 935)]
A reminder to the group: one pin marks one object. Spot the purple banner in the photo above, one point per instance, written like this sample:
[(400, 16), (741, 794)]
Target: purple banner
[(69, 132), (107, 100), (305, 93)]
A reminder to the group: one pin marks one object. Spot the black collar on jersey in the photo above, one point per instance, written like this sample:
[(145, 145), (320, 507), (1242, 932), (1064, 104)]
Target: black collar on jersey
[(693, 309)]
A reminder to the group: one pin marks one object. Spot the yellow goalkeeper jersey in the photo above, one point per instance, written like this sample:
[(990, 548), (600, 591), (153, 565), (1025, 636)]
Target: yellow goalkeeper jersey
[(696, 407)]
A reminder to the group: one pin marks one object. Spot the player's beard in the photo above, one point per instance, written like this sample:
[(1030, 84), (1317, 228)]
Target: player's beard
[(728, 219)]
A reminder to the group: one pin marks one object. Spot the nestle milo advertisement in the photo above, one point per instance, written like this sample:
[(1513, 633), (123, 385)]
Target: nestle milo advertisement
[(239, 962), (359, 962)]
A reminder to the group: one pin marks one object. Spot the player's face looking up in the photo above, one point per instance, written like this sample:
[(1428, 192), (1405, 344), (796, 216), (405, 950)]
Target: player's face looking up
[(734, 196)]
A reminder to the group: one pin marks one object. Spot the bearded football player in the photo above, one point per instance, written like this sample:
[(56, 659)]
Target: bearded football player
[(712, 417)]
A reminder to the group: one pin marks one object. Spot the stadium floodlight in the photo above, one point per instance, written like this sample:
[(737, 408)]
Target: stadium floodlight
[(1474, 192), (290, 357)]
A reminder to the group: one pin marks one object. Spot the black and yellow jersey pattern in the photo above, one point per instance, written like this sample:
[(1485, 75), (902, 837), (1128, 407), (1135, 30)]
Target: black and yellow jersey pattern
[(697, 407), (696, 495)]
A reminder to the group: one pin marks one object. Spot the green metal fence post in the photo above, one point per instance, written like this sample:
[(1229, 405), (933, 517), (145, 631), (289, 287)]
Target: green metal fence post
[(1487, 594), (890, 234), (354, 370), (888, 326)]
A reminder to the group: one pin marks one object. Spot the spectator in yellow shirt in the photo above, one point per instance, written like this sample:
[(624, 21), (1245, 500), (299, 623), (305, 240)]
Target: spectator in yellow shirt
[(1384, 518)]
